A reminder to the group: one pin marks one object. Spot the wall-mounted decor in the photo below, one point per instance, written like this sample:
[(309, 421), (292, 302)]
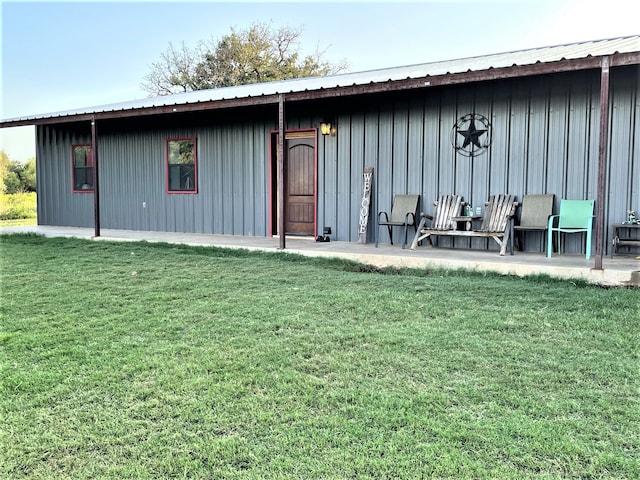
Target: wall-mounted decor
[(471, 135)]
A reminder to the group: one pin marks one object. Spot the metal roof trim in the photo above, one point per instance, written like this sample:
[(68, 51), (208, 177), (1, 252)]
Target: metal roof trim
[(539, 55)]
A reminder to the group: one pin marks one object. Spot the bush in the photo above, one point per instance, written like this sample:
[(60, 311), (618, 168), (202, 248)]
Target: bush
[(16, 177), (18, 205)]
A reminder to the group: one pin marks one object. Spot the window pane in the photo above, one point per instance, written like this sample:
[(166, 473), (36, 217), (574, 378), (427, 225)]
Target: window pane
[(81, 156), (181, 168), (181, 152), (82, 168), (83, 178), (181, 177)]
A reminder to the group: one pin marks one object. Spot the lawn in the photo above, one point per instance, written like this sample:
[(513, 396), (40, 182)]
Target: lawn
[(150, 361)]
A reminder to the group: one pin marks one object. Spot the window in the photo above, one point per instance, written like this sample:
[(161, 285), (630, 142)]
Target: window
[(82, 168), (181, 165)]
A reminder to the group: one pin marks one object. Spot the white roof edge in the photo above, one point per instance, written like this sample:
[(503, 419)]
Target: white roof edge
[(571, 51)]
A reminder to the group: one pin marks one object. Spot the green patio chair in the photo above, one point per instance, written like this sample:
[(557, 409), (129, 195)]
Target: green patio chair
[(403, 214), (576, 216)]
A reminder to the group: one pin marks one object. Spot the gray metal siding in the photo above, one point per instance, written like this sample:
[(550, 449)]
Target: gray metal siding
[(545, 140), (624, 165), (328, 183), (57, 204), (227, 185), (232, 176)]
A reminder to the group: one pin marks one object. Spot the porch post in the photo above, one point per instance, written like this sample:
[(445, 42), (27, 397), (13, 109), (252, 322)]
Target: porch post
[(602, 159), (96, 185), (281, 162)]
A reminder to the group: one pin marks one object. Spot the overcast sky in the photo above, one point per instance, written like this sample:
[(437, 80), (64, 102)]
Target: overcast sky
[(61, 56)]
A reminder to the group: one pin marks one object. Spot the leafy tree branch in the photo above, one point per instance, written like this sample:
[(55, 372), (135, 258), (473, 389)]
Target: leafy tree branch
[(258, 54)]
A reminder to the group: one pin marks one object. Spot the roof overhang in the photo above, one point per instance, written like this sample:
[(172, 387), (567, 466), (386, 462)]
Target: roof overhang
[(423, 82)]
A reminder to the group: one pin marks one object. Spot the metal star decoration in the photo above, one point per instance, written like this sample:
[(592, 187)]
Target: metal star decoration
[(471, 135)]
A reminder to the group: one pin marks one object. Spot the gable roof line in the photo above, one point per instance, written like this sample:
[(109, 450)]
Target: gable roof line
[(534, 61)]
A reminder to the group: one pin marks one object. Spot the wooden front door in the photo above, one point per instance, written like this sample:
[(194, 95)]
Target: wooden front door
[(300, 186)]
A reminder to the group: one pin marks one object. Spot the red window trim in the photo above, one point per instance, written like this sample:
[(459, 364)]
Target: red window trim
[(195, 167), (73, 167)]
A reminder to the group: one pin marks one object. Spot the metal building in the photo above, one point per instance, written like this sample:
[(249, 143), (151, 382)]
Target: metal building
[(562, 120)]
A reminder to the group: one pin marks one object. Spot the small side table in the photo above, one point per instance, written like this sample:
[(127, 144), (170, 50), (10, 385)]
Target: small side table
[(468, 220), (624, 235)]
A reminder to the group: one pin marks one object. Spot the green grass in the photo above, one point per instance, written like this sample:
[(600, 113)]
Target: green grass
[(17, 206), (138, 360), (21, 222)]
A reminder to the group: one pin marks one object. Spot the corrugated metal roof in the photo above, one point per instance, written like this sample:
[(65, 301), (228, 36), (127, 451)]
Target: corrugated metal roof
[(532, 56)]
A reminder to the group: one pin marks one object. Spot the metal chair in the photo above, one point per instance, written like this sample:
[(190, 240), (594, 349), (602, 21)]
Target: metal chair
[(576, 216), (403, 214), (534, 216)]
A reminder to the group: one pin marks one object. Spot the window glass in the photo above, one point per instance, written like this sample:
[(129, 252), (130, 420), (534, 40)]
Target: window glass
[(181, 165), (82, 168)]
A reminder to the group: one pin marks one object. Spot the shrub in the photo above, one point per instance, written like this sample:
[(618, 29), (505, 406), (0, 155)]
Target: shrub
[(18, 205)]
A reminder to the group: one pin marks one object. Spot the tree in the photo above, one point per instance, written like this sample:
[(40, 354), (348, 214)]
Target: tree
[(260, 53), (175, 72), (4, 169), (28, 175), (16, 177)]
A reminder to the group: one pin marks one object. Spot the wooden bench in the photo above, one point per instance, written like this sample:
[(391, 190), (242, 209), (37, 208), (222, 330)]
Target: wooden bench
[(497, 223)]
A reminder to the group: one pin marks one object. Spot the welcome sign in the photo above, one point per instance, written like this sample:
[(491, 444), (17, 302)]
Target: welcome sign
[(365, 204)]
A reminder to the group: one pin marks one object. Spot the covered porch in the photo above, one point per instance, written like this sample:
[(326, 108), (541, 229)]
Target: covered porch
[(621, 271)]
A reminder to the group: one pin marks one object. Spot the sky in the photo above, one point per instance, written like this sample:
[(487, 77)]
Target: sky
[(65, 55)]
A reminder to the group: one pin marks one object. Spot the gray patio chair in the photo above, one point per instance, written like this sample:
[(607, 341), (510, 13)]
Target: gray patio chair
[(534, 216), (403, 214)]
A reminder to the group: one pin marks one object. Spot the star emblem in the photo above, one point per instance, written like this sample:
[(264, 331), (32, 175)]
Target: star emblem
[(471, 135)]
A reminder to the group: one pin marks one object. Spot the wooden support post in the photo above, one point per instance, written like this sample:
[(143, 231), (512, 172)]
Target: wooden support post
[(96, 184), (602, 160), (281, 163)]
